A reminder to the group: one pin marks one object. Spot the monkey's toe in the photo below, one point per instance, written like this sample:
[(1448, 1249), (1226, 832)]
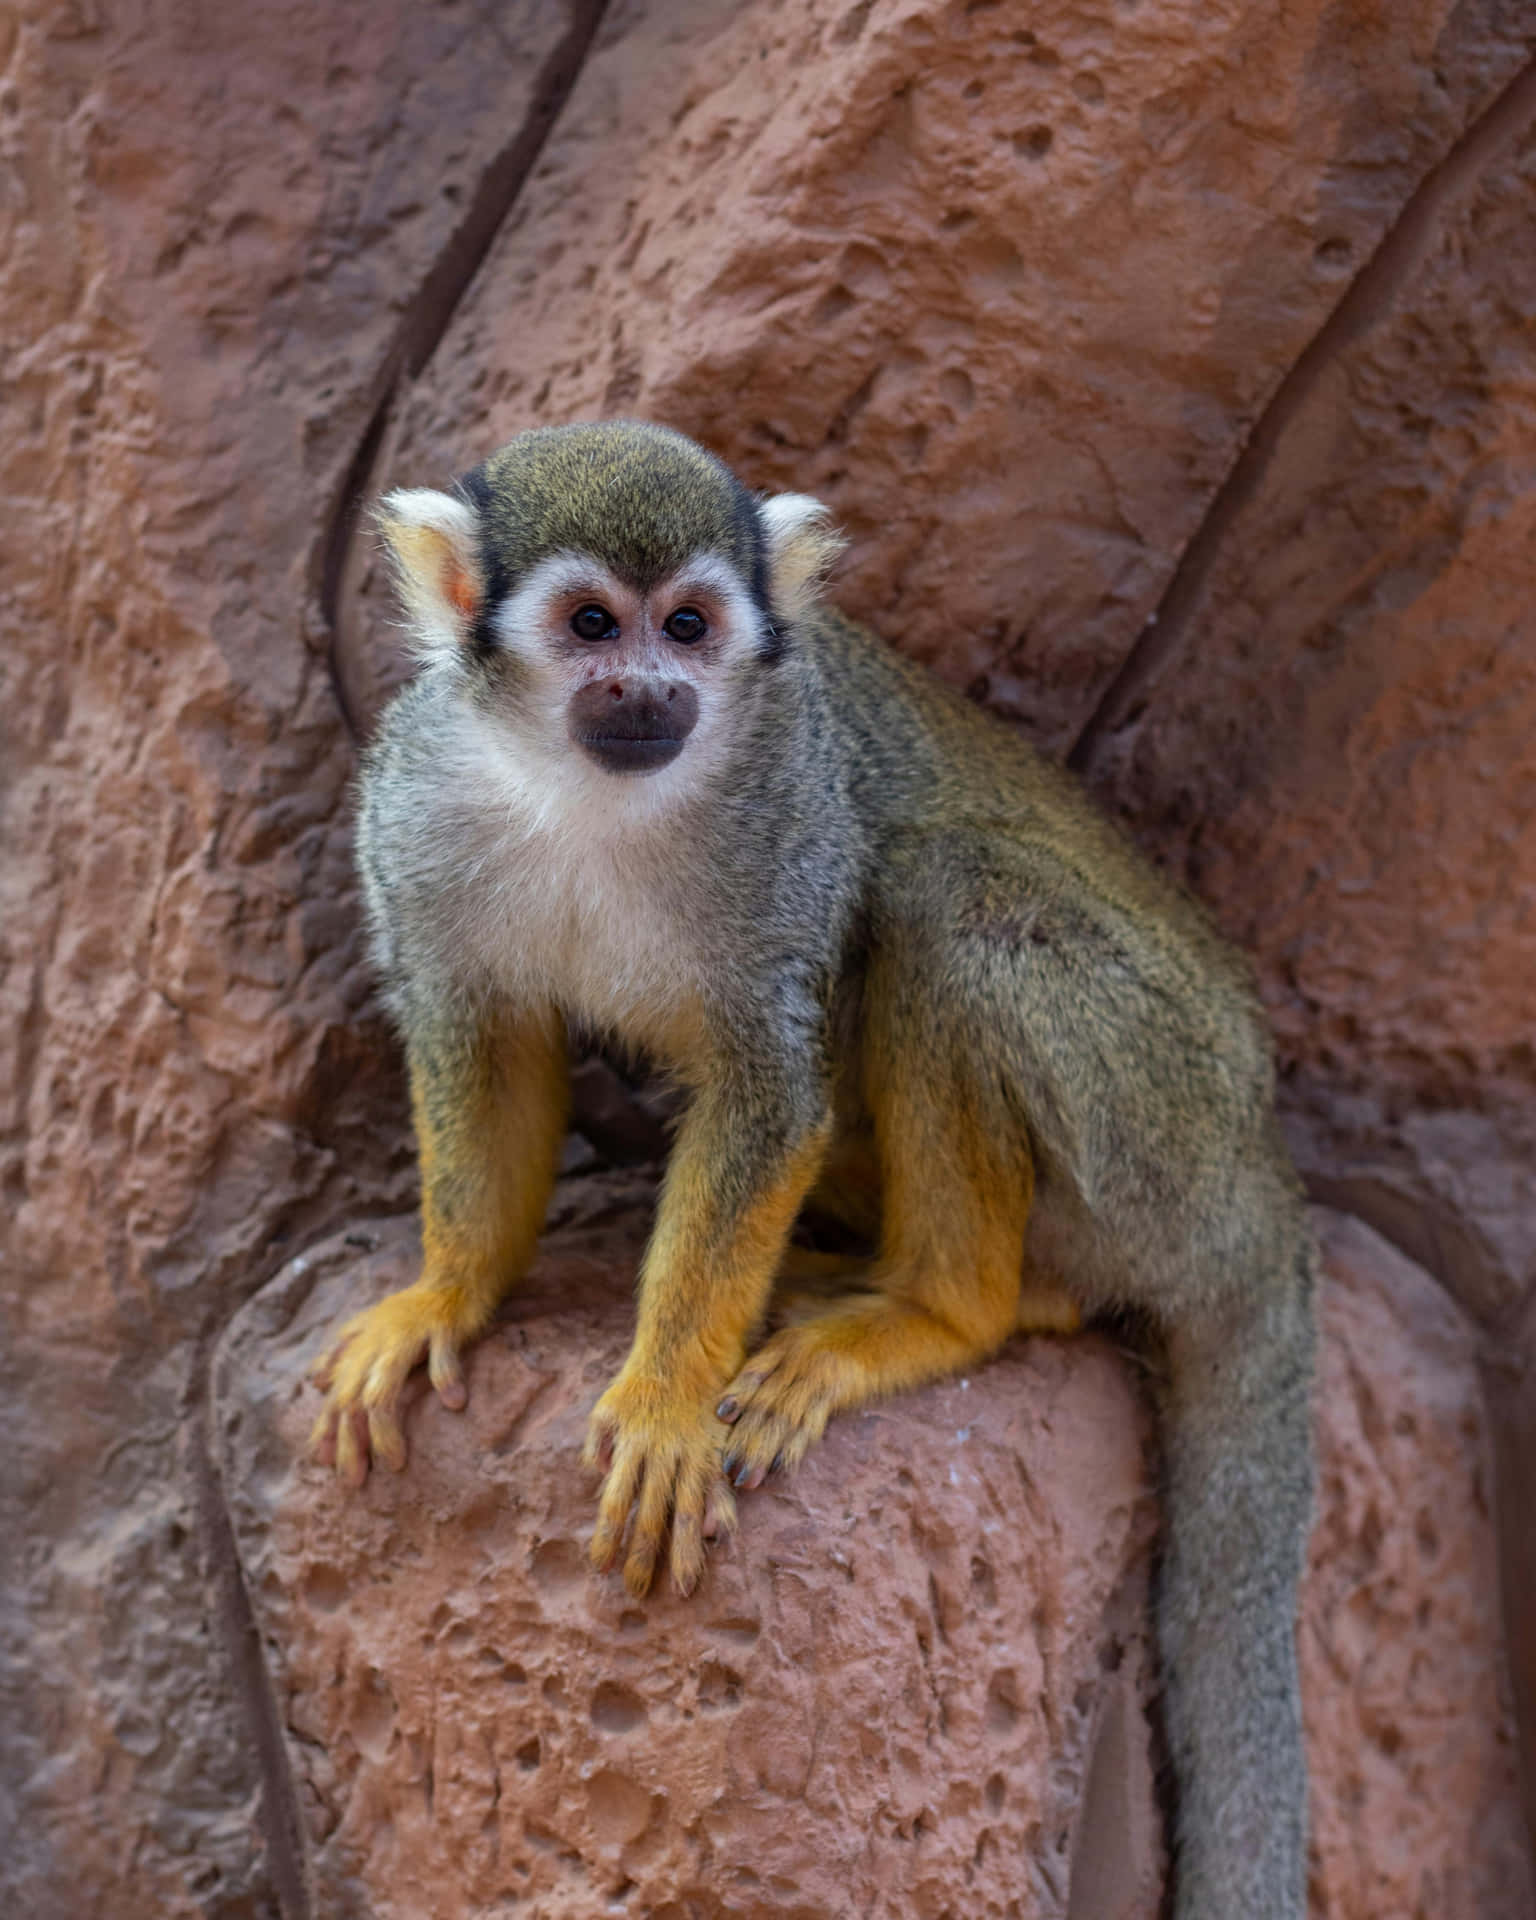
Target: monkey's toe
[(661, 1497), (778, 1406)]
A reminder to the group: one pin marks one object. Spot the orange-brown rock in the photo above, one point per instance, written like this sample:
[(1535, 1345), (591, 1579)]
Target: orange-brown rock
[(1014, 294), (1334, 745), (1407, 1701), (916, 1682)]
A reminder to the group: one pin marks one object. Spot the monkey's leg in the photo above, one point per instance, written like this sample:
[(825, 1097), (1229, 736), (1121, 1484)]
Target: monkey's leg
[(946, 1289), (735, 1182), (489, 1102), (809, 1270), (845, 1204), (809, 1281), (847, 1190)]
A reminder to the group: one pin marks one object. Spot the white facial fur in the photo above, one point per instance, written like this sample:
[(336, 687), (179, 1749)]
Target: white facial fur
[(533, 624), (549, 896), (566, 867)]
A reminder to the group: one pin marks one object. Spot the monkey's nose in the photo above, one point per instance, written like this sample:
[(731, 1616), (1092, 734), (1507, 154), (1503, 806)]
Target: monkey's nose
[(633, 726)]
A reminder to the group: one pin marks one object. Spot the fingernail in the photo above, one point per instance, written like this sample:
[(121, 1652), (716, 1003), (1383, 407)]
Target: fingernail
[(727, 1409)]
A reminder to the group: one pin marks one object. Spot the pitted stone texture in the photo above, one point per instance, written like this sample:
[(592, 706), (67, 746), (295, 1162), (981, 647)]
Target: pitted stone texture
[(883, 1700), (1410, 1727), (916, 1682)]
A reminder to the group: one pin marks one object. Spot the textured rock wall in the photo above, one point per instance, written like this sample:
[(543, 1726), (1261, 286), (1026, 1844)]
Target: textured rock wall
[(1171, 373)]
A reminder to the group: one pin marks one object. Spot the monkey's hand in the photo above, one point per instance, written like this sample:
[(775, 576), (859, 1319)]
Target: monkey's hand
[(658, 1448), (367, 1366)]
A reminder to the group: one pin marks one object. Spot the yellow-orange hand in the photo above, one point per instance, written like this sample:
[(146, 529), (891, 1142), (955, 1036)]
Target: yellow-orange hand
[(365, 1370)]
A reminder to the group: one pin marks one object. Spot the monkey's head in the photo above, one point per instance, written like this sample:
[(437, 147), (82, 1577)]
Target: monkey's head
[(610, 588)]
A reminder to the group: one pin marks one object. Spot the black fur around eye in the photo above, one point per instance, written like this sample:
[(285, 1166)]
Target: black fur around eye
[(687, 625), (593, 623)]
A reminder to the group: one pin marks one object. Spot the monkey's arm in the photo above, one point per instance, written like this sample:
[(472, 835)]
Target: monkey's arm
[(489, 1102), (947, 1289), (748, 1151)]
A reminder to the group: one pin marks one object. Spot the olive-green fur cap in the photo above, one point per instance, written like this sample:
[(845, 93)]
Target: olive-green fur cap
[(641, 498)]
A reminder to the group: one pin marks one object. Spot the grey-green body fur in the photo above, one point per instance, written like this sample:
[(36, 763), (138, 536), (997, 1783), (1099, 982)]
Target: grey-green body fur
[(864, 814)]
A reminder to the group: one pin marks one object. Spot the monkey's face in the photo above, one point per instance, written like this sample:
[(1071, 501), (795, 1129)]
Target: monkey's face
[(608, 593), (627, 673)]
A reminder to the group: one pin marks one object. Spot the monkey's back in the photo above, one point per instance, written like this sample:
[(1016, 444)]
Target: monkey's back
[(1124, 1027), (923, 758)]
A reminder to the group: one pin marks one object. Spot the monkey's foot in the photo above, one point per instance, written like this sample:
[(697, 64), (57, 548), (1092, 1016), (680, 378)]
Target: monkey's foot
[(373, 1355), (659, 1452), (863, 1346)]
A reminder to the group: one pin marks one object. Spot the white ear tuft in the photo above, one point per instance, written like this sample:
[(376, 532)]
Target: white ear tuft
[(434, 541), (802, 544)]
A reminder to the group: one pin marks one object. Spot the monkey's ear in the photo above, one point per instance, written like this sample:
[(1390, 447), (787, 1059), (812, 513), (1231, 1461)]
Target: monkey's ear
[(434, 542), (802, 544)]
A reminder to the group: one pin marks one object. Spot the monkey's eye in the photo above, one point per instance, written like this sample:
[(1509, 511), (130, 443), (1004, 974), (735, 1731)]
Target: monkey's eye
[(593, 623), (686, 626)]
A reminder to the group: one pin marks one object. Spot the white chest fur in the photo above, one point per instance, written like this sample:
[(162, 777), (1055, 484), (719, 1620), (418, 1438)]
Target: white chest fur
[(564, 888)]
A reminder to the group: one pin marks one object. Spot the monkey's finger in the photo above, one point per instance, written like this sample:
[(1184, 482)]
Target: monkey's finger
[(690, 1511), (686, 1553), (650, 1529), (746, 1464), (618, 1496), (352, 1447), (765, 1441), (446, 1373), (597, 1448), (385, 1436), (719, 1511)]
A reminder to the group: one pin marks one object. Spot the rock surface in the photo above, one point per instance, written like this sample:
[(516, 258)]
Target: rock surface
[(917, 1680), (1410, 1730), (1015, 297), (1336, 749)]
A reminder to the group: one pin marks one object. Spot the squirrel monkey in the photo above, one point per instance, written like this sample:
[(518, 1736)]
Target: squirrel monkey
[(647, 781)]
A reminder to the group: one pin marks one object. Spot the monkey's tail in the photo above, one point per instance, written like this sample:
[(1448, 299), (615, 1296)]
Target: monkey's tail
[(1237, 1443)]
